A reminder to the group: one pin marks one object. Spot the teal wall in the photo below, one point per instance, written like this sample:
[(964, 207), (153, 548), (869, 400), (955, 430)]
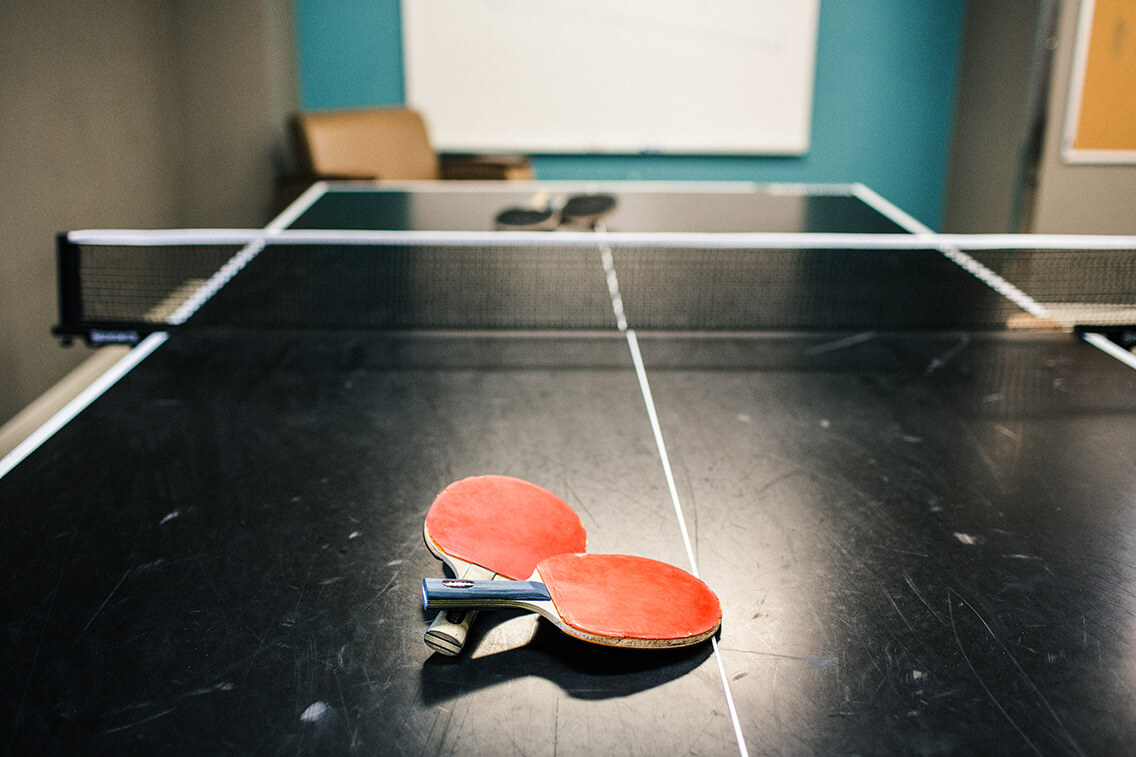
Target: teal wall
[(882, 111)]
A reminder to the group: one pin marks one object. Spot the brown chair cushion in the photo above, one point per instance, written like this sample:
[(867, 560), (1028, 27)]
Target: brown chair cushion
[(369, 143)]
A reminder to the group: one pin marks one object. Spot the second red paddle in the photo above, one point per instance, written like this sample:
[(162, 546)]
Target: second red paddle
[(617, 600)]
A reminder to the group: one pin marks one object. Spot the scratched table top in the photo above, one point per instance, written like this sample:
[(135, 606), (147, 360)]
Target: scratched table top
[(922, 540)]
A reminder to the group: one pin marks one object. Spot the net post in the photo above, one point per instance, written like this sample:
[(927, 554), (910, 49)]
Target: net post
[(70, 289)]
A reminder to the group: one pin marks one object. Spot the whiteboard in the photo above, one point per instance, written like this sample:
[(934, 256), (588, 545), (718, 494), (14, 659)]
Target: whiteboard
[(613, 76)]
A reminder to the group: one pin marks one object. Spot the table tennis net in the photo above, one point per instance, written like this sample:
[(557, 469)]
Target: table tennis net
[(117, 287)]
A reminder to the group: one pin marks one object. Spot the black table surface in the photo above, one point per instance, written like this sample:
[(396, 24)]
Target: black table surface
[(640, 207), (922, 543), (922, 539)]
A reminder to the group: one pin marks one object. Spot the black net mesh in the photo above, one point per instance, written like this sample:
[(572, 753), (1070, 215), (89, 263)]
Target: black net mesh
[(416, 285)]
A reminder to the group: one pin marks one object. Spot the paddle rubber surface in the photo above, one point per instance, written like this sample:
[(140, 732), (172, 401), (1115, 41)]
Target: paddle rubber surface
[(628, 597), (505, 524)]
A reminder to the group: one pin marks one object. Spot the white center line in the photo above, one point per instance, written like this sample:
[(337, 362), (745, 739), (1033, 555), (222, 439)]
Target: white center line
[(656, 428)]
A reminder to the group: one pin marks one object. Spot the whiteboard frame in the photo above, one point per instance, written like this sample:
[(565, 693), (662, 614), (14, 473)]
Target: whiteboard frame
[(1081, 46)]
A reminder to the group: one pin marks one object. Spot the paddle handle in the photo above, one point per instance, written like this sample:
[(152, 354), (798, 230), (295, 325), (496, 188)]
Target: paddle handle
[(447, 634), (462, 594)]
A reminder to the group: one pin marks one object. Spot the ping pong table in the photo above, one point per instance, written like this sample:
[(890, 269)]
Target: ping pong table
[(921, 524)]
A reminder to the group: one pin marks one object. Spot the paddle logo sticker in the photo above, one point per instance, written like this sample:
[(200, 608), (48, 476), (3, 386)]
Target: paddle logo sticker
[(456, 583)]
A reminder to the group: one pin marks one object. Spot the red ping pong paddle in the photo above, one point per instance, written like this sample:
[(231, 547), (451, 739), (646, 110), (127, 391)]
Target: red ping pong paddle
[(617, 600), (487, 526)]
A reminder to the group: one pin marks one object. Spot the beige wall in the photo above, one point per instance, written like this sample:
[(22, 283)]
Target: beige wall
[(236, 76), (990, 149), (1078, 199), (1002, 178), (129, 113)]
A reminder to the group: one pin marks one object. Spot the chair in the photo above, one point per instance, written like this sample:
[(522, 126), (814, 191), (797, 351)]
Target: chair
[(386, 144)]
